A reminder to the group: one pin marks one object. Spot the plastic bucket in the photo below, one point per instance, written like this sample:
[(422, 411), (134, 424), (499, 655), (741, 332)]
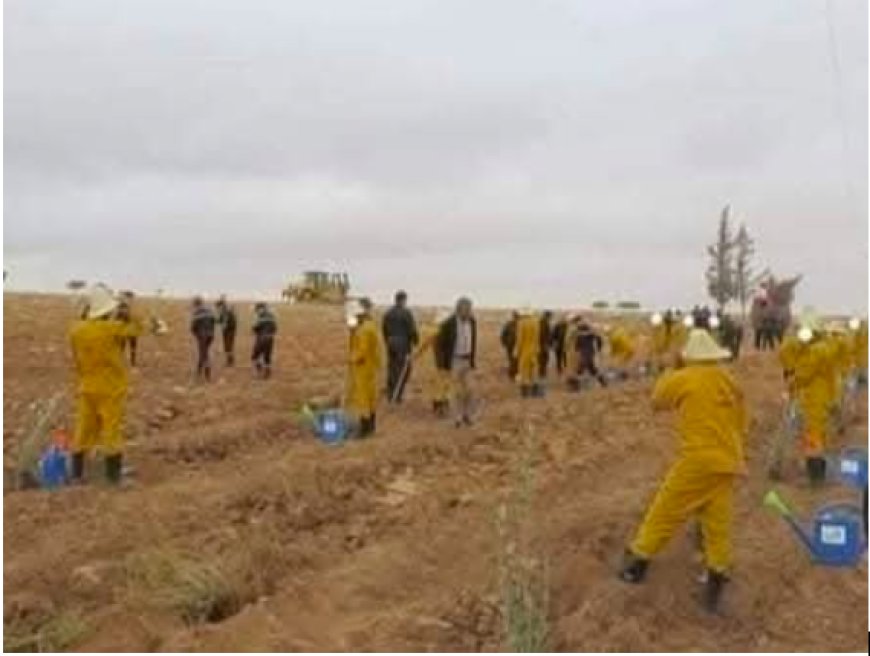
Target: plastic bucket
[(852, 467), (838, 535), (331, 426), (53, 468)]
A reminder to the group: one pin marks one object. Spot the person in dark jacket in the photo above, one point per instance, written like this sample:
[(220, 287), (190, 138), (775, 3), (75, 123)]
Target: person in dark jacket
[(558, 336), (546, 335), (588, 345), (226, 319), (125, 304), (456, 353), (508, 340), (202, 323), (400, 336), (265, 327)]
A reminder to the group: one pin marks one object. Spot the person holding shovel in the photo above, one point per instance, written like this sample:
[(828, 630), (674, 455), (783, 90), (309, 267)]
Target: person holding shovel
[(400, 336), (97, 343), (712, 425)]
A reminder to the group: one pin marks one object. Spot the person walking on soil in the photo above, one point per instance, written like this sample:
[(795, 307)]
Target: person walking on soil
[(712, 425), (622, 348), (439, 381), (807, 361), (265, 328), (101, 376), (400, 336), (546, 340), (558, 341), (527, 351), (202, 324), (508, 339), (456, 354), (123, 313), (365, 359), (588, 345), (226, 319)]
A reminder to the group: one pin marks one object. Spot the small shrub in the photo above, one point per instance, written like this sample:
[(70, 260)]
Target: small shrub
[(52, 634)]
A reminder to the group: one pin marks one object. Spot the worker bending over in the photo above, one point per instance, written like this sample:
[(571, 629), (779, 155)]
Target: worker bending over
[(98, 354), (712, 424), (438, 381), (527, 351), (202, 323), (365, 359), (265, 328)]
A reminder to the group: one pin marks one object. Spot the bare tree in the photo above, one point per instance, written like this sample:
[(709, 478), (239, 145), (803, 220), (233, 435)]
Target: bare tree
[(721, 278), (745, 279)]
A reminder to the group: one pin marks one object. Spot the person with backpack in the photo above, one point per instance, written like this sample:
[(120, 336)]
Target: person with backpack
[(265, 328)]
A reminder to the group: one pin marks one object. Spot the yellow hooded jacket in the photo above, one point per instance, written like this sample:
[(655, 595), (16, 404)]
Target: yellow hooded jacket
[(97, 346), (811, 366), (366, 356), (527, 348), (622, 346)]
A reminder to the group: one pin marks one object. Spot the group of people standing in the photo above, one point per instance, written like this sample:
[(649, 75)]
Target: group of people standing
[(204, 321)]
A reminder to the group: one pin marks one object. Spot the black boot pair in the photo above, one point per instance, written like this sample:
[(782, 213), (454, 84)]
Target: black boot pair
[(635, 568), (114, 465)]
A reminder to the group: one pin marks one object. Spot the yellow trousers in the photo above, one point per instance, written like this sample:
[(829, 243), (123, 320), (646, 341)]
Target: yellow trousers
[(689, 491), (99, 423), (362, 396), (527, 367), (439, 384)]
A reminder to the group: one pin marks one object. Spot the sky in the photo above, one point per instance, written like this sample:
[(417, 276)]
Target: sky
[(546, 153)]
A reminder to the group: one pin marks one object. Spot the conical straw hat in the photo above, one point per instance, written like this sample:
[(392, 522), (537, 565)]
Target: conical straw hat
[(701, 347), (101, 301)]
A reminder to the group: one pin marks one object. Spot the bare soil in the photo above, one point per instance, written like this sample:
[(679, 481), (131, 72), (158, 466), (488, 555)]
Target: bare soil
[(388, 544)]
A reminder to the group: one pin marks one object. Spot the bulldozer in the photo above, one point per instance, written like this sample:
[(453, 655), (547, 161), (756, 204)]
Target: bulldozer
[(318, 287)]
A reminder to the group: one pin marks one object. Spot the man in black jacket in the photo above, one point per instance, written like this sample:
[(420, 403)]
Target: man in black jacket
[(589, 344), (202, 323), (400, 337), (226, 319), (558, 337), (456, 352), (508, 340), (546, 336), (265, 328)]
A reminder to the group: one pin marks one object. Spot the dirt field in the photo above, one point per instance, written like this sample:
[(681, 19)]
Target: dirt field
[(242, 532)]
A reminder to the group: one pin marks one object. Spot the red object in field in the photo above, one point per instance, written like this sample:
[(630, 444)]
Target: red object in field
[(60, 438)]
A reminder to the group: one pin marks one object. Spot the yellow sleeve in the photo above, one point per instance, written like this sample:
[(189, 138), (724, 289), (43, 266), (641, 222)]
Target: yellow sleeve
[(667, 391)]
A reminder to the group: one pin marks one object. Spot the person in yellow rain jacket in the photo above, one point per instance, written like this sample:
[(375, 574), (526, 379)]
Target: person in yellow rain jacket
[(527, 351), (858, 334), (712, 424), (841, 357), (622, 348), (438, 381), (665, 334), (97, 343), (365, 357), (807, 363)]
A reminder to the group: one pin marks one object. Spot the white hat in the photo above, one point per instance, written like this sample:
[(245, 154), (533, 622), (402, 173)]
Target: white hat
[(854, 323), (656, 319), (714, 322), (805, 334), (689, 321), (701, 347), (101, 301)]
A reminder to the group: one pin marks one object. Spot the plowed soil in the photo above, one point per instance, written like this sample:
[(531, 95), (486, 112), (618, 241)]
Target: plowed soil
[(387, 544)]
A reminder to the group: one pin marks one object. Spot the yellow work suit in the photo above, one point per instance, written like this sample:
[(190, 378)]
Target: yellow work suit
[(810, 365), (437, 380), (366, 354), (101, 372), (622, 346), (527, 349), (712, 423)]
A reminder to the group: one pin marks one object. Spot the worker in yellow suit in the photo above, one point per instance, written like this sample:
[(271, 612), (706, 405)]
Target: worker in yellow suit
[(622, 348), (667, 333), (837, 338), (438, 381), (365, 359), (712, 424), (807, 361), (98, 342), (527, 351)]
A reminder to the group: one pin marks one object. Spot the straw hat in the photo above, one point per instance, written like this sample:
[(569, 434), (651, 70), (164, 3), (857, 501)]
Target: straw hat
[(701, 347), (101, 302), (656, 319), (854, 323)]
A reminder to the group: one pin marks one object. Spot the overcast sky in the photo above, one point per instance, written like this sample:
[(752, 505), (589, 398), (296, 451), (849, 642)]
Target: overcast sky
[(546, 152)]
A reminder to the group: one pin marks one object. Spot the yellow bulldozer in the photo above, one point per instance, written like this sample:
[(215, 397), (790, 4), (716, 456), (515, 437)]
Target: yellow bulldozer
[(318, 287)]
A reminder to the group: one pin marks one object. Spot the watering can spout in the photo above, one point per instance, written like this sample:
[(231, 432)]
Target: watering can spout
[(775, 502)]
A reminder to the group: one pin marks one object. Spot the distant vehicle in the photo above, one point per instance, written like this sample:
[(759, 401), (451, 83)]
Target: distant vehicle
[(318, 287)]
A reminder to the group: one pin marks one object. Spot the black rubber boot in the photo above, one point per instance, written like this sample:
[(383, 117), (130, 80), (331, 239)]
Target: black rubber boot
[(366, 427), (524, 391), (634, 568), (373, 422), (231, 360), (713, 591), (78, 467), (816, 470), (267, 372), (114, 465)]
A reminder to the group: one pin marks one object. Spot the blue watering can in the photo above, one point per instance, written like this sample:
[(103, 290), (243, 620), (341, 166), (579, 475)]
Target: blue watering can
[(331, 426), (54, 468), (852, 467), (837, 536)]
